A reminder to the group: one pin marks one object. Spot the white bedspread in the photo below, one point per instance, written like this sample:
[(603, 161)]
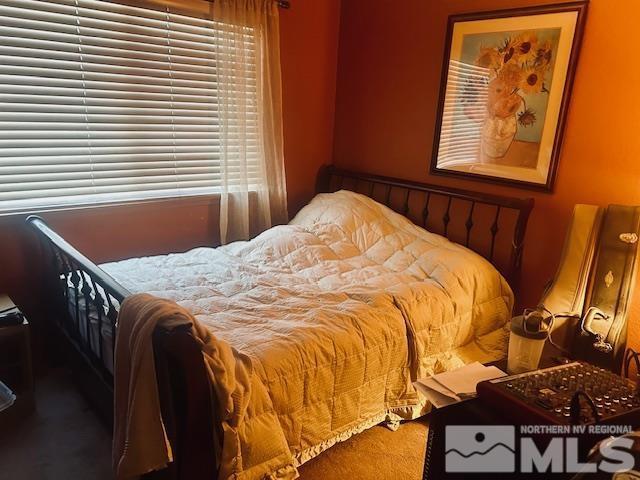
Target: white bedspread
[(339, 312)]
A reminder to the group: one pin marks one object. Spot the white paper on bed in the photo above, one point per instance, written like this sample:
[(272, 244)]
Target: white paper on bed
[(337, 311)]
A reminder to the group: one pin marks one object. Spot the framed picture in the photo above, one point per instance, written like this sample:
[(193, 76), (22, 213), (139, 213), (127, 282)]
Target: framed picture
[(506, 82)]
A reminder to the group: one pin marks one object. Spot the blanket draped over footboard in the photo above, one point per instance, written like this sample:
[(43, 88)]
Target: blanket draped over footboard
[(140, 443), (315, 330)]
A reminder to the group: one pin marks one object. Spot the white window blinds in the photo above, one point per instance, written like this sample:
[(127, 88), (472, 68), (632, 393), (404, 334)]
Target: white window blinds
[(463, 114), (103, 102)]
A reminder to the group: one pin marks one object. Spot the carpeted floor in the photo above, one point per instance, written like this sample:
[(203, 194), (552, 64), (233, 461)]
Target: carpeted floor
[(64, 440), (377, 453)]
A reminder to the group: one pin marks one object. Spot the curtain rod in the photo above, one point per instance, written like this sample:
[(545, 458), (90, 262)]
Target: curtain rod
[(281, 3), (195, 8)]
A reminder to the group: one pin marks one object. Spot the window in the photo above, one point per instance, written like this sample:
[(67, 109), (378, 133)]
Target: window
[(103, 102)]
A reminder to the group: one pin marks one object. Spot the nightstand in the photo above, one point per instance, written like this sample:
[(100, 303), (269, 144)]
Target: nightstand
[(15, 367)]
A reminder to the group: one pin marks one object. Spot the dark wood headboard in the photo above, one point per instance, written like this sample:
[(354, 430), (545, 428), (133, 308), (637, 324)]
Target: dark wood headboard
[(494, 226)]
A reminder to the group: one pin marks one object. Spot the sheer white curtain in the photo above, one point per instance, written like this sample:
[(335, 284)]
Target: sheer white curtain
[(248, 57)]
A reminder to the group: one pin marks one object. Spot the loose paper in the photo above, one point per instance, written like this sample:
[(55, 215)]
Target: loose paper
[(457, 385)]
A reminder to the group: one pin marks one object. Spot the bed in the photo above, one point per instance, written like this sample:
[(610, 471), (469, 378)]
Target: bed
[(346, 266)]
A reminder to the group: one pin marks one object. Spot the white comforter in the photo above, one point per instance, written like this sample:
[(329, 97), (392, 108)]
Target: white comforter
[(339, 312)]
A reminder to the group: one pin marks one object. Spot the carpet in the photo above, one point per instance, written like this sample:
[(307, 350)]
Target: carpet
[(375, 454), (64, 439)]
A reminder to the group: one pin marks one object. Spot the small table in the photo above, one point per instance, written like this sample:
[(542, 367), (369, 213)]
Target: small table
[(471, 413), (16, 370)]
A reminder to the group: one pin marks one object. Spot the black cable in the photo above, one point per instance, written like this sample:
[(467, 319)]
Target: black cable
[(562, 350), (575, 407), (631, 354)]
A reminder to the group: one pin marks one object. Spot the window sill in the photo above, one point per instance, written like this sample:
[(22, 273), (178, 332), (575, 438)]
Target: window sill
[(104, 207)]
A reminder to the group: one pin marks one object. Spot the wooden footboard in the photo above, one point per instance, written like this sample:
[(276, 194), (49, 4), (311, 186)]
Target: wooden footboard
[(84, 302), (188, 406)]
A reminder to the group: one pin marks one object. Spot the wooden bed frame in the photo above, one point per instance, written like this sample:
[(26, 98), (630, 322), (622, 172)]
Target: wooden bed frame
[(492, 225)]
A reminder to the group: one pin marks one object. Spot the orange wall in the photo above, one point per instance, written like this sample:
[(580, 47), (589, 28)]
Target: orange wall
[(389, 69), (309, 43)]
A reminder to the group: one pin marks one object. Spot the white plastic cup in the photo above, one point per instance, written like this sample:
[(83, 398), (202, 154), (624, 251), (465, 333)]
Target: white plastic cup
[(525, 347)]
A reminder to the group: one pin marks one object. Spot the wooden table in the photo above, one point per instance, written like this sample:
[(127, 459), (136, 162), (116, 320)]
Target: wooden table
[(475, 412)]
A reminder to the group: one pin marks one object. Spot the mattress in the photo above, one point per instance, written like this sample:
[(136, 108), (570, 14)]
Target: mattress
[(338, 312)]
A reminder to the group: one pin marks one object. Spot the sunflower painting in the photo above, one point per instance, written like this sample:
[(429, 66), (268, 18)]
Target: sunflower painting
[(504, 97), (517, 75)]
